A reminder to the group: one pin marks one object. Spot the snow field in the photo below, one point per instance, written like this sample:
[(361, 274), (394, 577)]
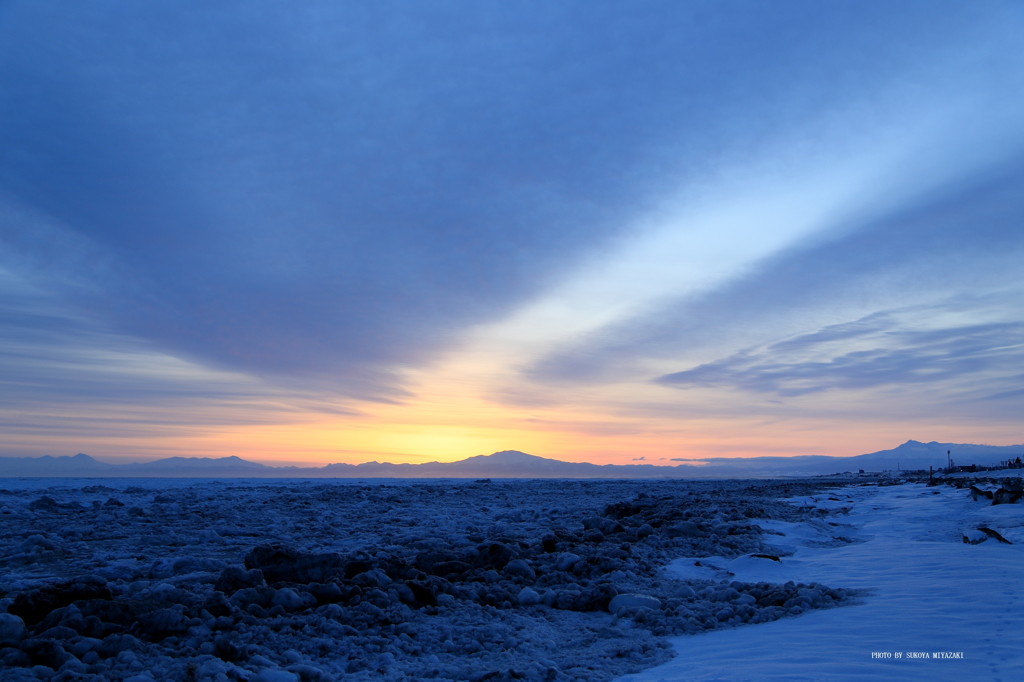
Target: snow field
[(930, 596)]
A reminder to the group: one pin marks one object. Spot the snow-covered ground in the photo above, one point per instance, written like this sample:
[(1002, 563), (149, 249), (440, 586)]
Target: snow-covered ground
[(478, 580), (995, 474), (930, 594)]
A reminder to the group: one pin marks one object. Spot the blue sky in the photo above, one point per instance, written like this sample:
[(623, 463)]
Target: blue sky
[(591, 229)]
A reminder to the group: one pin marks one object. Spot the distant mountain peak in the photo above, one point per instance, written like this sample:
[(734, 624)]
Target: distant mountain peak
[(513, 456)]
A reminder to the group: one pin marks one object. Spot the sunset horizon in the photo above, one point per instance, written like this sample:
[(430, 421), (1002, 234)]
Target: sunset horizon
[(354, 459)]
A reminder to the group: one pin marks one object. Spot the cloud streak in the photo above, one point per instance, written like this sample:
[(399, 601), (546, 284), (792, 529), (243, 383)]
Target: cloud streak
[(886, 355), (332, 191), (960, 240)]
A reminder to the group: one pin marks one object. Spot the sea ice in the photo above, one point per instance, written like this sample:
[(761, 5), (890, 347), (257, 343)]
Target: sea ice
[(538, 580)]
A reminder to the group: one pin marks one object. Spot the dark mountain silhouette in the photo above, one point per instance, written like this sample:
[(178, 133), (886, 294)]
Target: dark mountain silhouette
[(515, 464), (77, 465), (908, 456)]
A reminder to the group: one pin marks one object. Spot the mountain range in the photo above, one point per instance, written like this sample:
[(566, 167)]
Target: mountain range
[(514, 464)]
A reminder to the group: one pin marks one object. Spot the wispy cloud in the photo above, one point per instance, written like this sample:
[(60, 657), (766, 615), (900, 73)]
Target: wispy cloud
[(874, 352), (59, 371)]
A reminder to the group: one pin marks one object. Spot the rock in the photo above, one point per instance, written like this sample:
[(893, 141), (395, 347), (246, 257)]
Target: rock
[(506, 675), (441, 563), (326, 593), (518, 568), (234, 578), (493, 596), (423, 593), (604, 525), (490, 576), (773, 597), (271, 675), (226, 650), (373, 578), (112, 645), (594, 598), (104, 612), (82, 646), (770, 557), (141, 677), (625, 603), (217, 604), (448, 568), (811, 596), (745, 600), (683, 529), (567, 600), (46, 652), (1004, 496), (34, 606), (36, 543), (621, 510), (403, 592), (378, 597), (355, 566), (528, 597), (12, 629), (977, 493), (250, 596), (14, 658), (72, 669), (212, 669), (271, 556), (44, 503), (288, 599), (567, 560), (686, 592), (994, 534), (58, 632), (308, 673), (197, 565), (283, 564), (162, 623), (493, 555), (727, 593)]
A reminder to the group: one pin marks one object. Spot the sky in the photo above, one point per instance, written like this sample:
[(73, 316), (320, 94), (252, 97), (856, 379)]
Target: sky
[(593, 231)]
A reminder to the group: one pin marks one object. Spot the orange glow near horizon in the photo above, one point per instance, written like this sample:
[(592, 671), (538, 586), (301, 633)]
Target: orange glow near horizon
[(457, 428), (449, 416), (412, 434)]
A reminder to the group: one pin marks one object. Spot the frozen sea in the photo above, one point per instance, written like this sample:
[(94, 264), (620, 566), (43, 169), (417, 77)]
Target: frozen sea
[(338, 579)]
